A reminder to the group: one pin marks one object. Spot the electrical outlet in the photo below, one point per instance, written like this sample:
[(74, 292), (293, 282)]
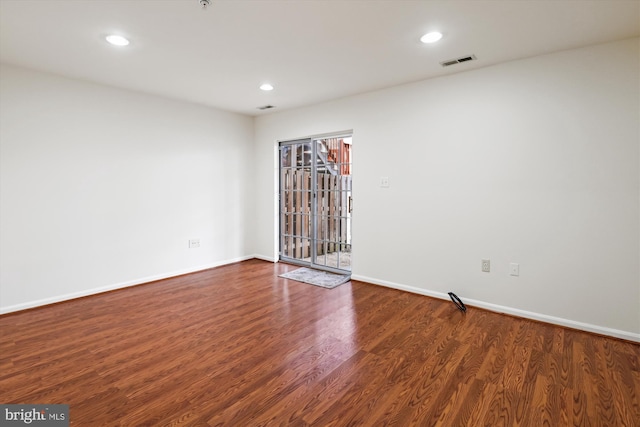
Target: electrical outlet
[(486, 266), (384, 181), (194, 243), (514, 269)]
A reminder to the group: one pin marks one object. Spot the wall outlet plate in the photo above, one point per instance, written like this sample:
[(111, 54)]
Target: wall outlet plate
[(194, 243), (486, 266)]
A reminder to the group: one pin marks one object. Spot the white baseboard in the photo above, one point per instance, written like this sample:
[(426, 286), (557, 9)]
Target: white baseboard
[(630, 336), (140, 281)]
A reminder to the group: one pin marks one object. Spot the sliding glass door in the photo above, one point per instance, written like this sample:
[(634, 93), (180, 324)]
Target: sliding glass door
[(316, 202)]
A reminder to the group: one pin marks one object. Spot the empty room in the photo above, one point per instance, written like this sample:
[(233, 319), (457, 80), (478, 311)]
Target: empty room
[(320, 212)]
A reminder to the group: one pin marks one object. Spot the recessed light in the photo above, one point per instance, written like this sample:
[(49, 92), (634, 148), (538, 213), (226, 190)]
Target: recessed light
[(117, 40), (266, 87), (431, 37)]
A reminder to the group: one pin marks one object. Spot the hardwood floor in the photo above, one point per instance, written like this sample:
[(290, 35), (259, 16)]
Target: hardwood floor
[(239, 346)]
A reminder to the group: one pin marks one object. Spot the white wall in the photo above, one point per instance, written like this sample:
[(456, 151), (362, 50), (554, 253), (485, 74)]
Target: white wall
[(101, 188), (534, 162)]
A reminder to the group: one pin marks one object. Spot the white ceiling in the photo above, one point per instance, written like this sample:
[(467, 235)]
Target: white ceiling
[(310, 50)]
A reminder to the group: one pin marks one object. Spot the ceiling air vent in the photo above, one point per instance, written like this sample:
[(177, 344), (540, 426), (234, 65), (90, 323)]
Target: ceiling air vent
[(458, 60), (266, 107)]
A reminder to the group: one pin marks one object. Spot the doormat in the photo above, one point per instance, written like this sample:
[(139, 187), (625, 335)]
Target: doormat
[(323, 279)]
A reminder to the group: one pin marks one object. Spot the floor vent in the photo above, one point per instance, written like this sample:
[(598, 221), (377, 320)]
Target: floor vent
[(458, 60), (266, 107)]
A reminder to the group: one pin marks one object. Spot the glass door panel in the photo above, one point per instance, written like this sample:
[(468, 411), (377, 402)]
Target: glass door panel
[(333, 202)]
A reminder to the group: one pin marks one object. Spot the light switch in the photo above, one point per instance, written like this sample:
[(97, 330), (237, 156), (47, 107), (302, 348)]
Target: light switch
[(514, 269)]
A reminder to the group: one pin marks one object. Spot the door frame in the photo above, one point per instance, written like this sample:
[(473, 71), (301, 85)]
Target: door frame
[(313, 213)]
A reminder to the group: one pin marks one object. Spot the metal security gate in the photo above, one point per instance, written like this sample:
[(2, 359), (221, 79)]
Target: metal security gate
[(316, 202)]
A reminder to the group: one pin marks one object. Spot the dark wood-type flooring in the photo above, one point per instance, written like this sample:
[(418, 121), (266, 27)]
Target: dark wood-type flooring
[(239, 346)]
